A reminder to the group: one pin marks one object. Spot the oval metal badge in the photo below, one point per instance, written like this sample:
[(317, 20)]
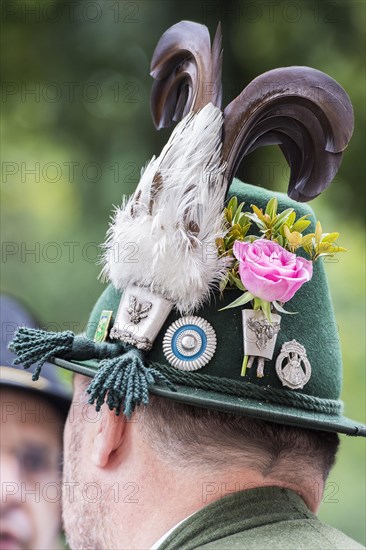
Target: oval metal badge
[(296, 372)]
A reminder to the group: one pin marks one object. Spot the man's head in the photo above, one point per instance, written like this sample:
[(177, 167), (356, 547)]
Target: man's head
[(171, 459), (30, 462), (32, 420)]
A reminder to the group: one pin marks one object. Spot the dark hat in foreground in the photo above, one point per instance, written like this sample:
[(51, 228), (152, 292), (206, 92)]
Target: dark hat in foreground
[(217, 295), (14, 315)]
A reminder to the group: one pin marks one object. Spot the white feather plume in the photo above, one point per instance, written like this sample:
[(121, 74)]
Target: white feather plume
[(164, 236)]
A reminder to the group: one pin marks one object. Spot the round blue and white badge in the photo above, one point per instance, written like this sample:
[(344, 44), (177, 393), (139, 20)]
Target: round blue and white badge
[(189, 343)]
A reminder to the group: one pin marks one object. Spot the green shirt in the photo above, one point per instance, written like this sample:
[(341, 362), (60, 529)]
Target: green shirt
[(268, 517)]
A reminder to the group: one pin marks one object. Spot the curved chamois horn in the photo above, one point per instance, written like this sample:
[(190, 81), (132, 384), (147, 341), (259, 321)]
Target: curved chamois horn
[(187, 72), (305, 112)]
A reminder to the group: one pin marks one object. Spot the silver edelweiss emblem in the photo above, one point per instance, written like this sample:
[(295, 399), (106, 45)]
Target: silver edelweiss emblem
[(138, 310), (260, 337), (296, 372), (264, 331), (140, 316)]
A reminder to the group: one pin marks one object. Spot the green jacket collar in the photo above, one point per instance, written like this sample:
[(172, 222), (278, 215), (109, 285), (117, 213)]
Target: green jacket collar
[(235, 513)]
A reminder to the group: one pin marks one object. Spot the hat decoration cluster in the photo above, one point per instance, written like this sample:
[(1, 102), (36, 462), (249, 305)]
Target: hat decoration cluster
[(269, 272), (178, 212)]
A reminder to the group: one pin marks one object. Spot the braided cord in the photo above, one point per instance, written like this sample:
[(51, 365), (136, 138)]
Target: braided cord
[(247, 389)]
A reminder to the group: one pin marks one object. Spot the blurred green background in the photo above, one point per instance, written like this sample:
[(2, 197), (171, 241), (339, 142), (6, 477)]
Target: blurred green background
[(76, 129)]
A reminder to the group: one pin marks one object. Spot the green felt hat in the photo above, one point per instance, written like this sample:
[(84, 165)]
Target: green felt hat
[(163, 325), (220, 385)]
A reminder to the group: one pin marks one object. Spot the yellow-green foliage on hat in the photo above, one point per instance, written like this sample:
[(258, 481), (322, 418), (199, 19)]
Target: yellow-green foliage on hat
[(217, 295)]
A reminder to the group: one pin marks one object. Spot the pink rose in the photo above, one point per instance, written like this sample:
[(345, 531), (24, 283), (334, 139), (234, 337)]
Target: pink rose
[(270, 272)]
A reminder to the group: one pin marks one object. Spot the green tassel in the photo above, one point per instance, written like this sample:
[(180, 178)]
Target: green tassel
[(122, 377), (124, 381), (38, 346)]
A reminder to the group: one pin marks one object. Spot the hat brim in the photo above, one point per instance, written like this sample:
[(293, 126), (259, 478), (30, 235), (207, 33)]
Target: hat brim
[(239, 405)]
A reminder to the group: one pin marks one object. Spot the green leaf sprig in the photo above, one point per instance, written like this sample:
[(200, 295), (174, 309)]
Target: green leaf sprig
[(282, 227), (236, 226), (321, 244), (288, 231), (269, 222)]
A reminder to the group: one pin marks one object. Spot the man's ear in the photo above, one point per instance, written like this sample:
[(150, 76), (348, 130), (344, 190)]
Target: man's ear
[(110, 432)]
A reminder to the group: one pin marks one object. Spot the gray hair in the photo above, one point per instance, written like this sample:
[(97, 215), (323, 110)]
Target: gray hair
[(189, 436)]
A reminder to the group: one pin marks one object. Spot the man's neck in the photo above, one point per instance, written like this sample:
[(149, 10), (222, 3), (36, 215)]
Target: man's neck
[(169, 495)]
